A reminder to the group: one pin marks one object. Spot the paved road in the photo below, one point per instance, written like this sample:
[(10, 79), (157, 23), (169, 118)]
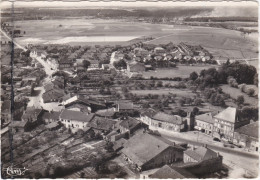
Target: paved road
[(217, 148)]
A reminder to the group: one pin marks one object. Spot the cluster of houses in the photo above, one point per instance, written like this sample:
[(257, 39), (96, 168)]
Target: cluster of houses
[(225, 125), (54, 91)]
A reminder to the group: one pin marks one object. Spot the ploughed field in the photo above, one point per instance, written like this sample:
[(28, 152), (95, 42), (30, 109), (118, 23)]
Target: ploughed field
[(221, 42)]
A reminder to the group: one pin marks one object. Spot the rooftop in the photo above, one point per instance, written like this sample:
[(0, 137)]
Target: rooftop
[(161, 116), (171, 172), (206, 118), (201, 153), (51, 115), (228, 114), (76, 115), (137, 148), (102, 123), (249, 129), (125, 105), (129, 123)]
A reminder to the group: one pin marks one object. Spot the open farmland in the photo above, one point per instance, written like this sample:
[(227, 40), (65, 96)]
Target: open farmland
[(96, 31), (180, 71), (178, 92), (234, 93)]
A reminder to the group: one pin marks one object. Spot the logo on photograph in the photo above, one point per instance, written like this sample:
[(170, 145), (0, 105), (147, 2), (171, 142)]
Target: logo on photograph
[(14, 171)]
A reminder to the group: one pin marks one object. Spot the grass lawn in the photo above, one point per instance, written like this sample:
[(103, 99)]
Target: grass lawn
[(234, 92), (178, 92), (180, 71)]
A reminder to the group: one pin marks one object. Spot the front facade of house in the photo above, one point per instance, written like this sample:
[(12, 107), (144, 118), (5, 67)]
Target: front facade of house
[(164, 121), (204, 123), (75, 119)]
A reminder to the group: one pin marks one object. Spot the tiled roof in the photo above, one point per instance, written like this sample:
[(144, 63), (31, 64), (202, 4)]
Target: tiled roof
[(76, 115), (125, 105), (31, 114), (168, 118), (206, 118), (101, 123), (250, 129), (201, 154), (51, 115), (172, 173), (228, 114), (129, 123), (143, 147), (149, 112)]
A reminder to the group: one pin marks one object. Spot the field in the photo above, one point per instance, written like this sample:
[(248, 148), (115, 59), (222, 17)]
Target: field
[(178, 92), (234, 92), (223, 42), (180, 71)]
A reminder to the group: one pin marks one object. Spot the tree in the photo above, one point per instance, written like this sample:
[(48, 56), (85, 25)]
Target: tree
[(240, 100), (197, 102), (181, 101), (250, 92), (193, 76), (195, 111), (159, 84), (86, 64)]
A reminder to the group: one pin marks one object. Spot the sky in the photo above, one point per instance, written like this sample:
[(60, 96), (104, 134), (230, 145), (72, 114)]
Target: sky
[(81, 4)]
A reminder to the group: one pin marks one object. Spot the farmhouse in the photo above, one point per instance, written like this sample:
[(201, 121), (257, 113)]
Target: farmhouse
[(226, 122), (129, 125), (247, 136), (102, 124), (145, 151), (161, 120), (201, 161), (49, 117), (75, 119), (124, 106), (83, 104), (53, 95)]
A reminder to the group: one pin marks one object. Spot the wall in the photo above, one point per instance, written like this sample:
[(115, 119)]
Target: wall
[(167, 126)]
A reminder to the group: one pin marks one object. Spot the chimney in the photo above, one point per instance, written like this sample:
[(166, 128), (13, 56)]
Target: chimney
[(158, 146), (217, 154), (193, 148), (205, 145)]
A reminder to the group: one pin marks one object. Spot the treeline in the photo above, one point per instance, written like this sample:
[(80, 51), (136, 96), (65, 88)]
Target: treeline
[(36, 13), (243, 73), (222, 19)]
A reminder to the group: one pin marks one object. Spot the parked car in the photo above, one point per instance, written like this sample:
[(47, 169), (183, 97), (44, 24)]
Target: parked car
[(216, 139), (228, 145)]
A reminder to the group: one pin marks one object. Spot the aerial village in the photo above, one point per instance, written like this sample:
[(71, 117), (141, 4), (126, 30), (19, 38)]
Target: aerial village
[(76, 113)]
